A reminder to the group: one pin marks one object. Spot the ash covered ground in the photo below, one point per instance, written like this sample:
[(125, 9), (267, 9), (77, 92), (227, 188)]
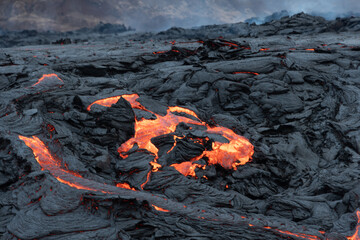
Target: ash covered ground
[(227, 131)]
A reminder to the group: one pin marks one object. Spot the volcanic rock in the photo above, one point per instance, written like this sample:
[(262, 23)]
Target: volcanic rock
[(182, 134)]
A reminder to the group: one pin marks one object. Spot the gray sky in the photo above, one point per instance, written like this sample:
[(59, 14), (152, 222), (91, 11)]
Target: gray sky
[(152, 15), (187, 13)]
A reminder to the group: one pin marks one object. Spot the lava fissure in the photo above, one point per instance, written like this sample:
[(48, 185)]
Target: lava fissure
[(46, 77)]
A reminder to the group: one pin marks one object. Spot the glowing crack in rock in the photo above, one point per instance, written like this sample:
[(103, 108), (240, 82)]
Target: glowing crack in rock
[(47, 77), (253, 73), (159, 208)]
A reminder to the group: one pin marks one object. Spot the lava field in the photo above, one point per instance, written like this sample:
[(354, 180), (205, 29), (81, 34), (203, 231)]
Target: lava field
[(229, 131)]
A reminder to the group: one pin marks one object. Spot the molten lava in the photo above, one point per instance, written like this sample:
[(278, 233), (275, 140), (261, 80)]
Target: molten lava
[(159, 52), (159, 208), (229, 155), (47, 77), (187, 168), (356, 235), (50, 163), (254, 73), (125, 185), (299, 235)]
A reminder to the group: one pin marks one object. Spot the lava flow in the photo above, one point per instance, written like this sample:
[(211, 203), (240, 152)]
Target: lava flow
[(254, 73), (50, 163), (229, 155), (159, 208), (51, 76)]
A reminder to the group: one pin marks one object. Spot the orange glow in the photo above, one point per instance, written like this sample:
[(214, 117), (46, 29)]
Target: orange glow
[(299, 235), (46, 76), (310, 49), (108, 102), (159, 52), (187, 168), (155, 166), (264, 49), (41, 153), (125, 185), (77, 186), (254, 73), (230, 44), (237, 151), (147, 180), (159, 208), (356, 235), (183, 110), (50, 163)]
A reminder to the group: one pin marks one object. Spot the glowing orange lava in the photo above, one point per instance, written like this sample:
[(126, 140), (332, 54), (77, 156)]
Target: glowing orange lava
[(187, 168), (310, 49), (230, 44), (125, 185), (159, 52), (159, 208), (50, 163), (299, 235), (46, 76), (254, 73), (356, 235), (229, 155)]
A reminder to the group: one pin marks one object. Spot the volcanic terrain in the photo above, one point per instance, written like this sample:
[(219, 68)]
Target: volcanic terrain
[(229, 131)]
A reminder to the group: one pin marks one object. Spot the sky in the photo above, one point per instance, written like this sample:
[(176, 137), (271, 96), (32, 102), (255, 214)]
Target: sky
[(189, 13), (154, 15)]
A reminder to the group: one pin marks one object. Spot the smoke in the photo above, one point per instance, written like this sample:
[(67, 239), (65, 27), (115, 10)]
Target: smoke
[(156, 15)]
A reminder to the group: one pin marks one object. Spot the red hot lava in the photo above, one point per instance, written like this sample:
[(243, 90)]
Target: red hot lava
[(237, 151), (53, 165), (356, 235), (159, 208), (45, 77), (254, 73)]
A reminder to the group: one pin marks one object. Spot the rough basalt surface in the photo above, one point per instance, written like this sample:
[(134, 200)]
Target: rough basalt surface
[(293, 93)]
